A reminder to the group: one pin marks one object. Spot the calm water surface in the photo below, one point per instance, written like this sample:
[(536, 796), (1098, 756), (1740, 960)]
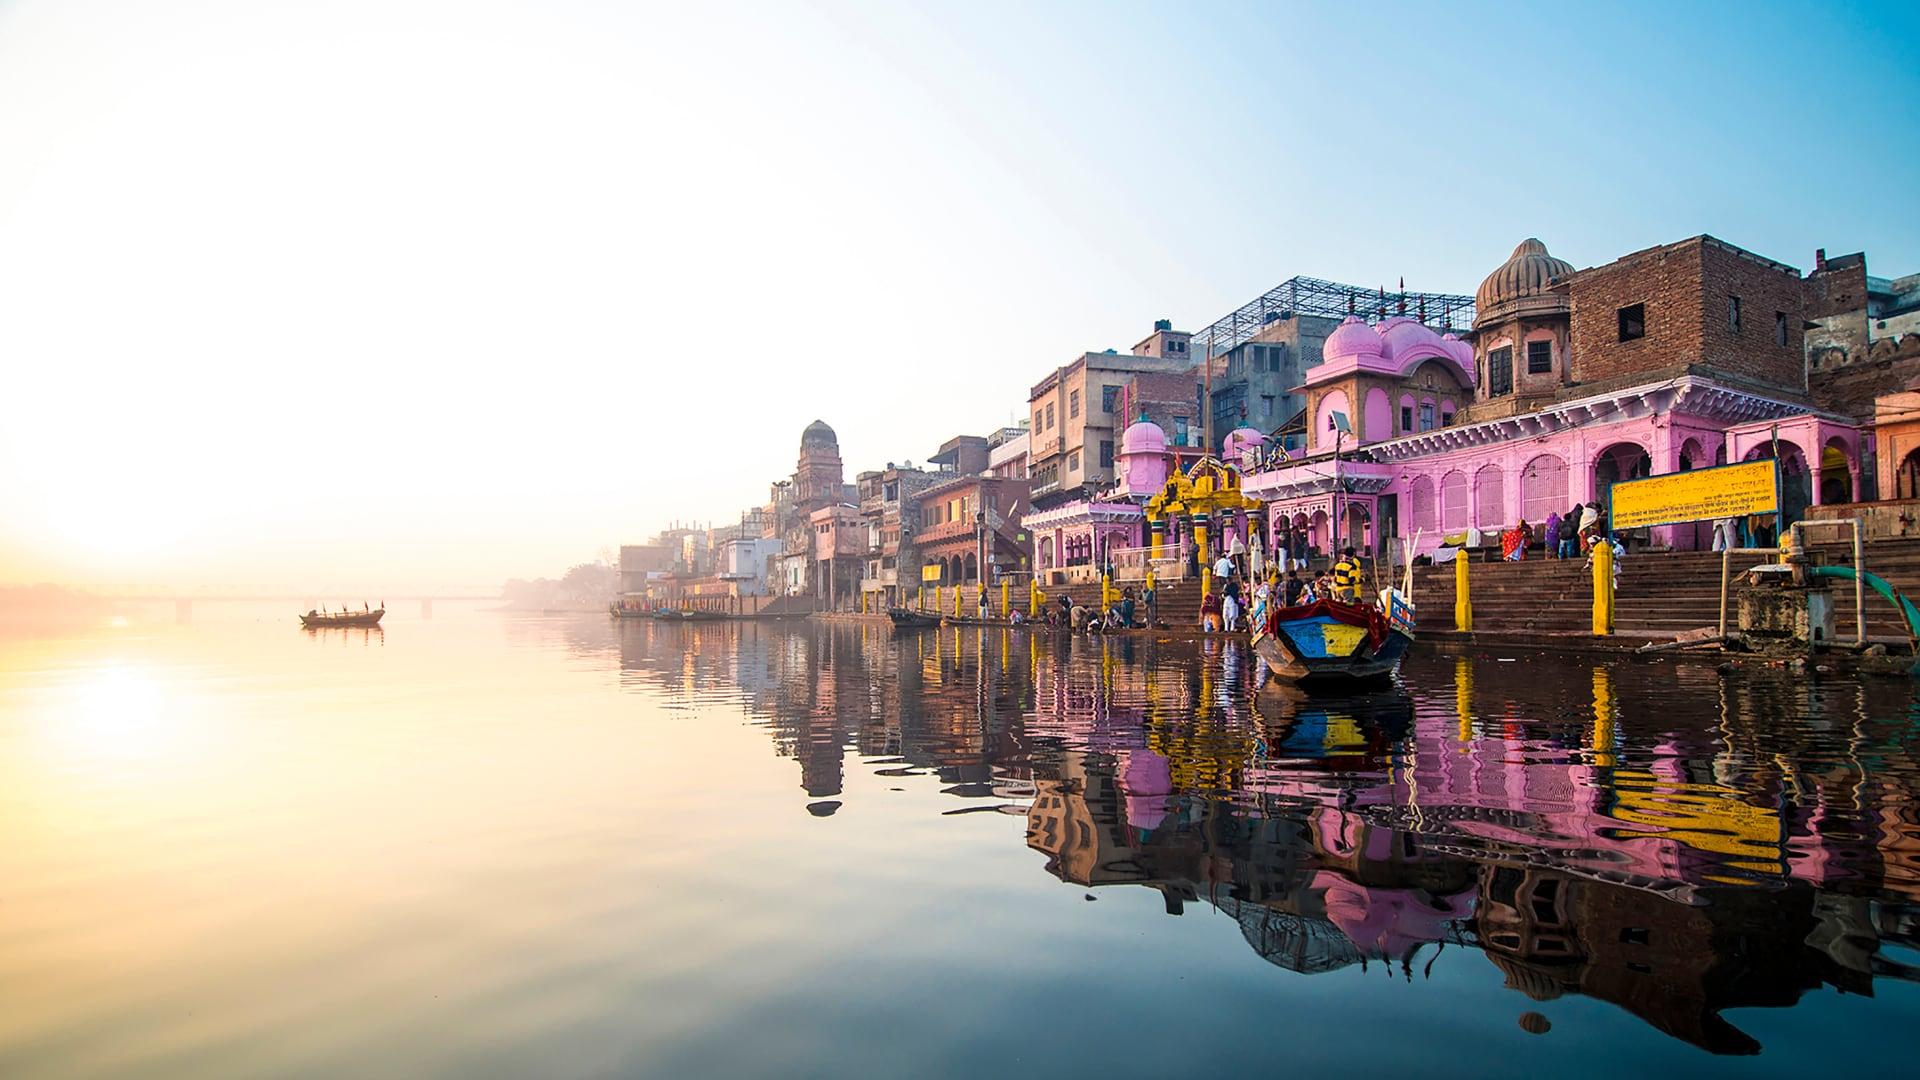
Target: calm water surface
[(480, 844)]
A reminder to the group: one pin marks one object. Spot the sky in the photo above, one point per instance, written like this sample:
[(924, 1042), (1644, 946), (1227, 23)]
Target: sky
[(419, 294)]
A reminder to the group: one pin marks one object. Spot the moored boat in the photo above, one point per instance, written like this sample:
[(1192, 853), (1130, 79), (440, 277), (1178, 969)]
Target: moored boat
[(909, 617), (315, 620), (1333, 643)]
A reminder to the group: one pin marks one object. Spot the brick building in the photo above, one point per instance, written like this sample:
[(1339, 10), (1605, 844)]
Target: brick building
[(966, 517), (1852, 316), (1076, 414)]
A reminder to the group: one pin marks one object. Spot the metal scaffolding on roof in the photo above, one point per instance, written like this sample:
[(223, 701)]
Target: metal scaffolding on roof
[(1331, 299)]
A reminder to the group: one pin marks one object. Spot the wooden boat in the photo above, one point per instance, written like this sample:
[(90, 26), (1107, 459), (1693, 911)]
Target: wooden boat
[(619, 612), (314, 620), (1332, 643), (909, 617)]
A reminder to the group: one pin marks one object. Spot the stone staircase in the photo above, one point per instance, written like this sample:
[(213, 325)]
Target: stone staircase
[(1661, 594)]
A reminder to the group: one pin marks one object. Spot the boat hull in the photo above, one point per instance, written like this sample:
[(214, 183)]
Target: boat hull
[(356, 618), (1331, 645), (907, 617)]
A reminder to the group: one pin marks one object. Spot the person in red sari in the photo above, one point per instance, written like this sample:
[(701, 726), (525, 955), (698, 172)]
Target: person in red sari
[(1513, 542)]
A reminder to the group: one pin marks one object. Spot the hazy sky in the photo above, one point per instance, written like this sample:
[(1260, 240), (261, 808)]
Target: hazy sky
[(440, 293)]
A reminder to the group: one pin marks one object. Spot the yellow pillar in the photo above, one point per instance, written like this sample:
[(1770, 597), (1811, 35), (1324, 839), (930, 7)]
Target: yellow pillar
[(1603, 587), (1200, 541), (920, 598), (1156, 539), (1033, 598), (1106, 593), (939, 597), (1006, 597), (1462, 601), (1206, 581), (956, 601)]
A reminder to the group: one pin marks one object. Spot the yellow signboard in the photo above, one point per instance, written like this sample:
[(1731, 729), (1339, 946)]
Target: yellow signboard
[(930, 572), (1720, 492)]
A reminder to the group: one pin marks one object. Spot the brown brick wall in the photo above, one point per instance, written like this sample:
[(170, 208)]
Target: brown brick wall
[(1836, 297), (1685, 287), (1666, 280), (1764, 289)]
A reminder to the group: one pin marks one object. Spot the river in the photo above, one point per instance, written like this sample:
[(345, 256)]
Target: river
[(479, 844)]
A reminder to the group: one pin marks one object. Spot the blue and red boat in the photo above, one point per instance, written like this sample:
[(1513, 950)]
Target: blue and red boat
[(1332, 642)]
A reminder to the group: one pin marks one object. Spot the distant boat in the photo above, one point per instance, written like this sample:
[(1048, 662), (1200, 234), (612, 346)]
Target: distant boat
[(315, 620), (1333, 643), (909, 617)]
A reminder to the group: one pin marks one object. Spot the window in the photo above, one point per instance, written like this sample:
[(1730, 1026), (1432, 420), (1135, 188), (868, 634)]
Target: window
[(1266, 407), (1073, 461), (1500, 371), (1446, 415), (1539, 357), (1073, 404), (1049, 415), (1109, 397), (1780, 328), (1406, 418), (1179, 431), (1733, 313), (1426, 416), (1633, 322), (1106, 453)]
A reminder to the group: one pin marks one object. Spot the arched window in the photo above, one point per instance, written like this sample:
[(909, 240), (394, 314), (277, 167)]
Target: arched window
[(1453, 502), (1490, 497), (1420, 503), (1543, 487)]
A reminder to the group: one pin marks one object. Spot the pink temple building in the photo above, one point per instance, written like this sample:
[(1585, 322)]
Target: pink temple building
[(1074, 540), (1678, 357)]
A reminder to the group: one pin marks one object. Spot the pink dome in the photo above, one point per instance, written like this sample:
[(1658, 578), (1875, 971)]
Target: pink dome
[(1353, 338), (1143, 436), (1239, 439), (1402, 334)]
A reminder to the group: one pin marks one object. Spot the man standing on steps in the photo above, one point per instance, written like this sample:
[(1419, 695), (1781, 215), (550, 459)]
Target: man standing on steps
[(1346, 577)]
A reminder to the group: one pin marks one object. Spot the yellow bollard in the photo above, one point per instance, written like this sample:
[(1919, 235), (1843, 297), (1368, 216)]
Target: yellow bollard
[(1462, 601), (1603, 587), (939, 597), (920, 598), (956, 601), (1033, 598), (1106, 593), (1006, 598), (1206, 586)]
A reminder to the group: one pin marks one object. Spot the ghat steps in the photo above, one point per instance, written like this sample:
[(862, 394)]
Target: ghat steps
[(1660, 594)]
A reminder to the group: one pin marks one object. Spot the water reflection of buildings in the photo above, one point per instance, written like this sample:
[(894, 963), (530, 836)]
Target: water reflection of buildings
[(1662, 838)]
